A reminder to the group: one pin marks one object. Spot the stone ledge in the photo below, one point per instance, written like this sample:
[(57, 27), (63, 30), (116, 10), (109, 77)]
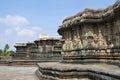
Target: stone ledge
[(58, 70)]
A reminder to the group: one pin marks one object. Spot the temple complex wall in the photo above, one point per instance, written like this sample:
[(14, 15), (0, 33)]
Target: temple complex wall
[(41, 49)]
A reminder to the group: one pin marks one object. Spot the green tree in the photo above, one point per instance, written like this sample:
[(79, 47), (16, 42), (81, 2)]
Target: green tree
[(5, 51), (0, 53)]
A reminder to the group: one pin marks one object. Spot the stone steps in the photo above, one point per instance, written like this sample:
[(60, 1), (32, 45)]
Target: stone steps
[(61, 71)]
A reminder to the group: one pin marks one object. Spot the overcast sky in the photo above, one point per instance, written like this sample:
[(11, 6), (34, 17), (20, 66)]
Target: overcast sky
[(25, 20)]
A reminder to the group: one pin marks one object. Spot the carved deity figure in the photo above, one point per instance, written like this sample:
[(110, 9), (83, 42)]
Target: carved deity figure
[(101, 41), (77, 43), (68, 45), (89, 40), (64, 46)]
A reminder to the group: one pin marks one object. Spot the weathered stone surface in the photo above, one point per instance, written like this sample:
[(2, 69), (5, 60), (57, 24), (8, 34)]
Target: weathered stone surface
[(92, 32), (17, 73), (91, 15), (91, 36), (57, 70)]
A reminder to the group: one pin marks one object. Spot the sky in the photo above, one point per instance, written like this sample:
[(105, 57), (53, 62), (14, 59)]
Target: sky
[(25, 20)]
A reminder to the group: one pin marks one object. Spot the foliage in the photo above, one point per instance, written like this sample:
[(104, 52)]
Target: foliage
[(5, 51), (0, 51)]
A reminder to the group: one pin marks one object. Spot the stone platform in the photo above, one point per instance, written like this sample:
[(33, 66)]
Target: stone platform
[(61, 71)]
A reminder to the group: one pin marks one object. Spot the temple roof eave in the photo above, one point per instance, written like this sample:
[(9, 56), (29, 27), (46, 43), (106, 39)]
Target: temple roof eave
[(75, 20), (19, 46), (90, 19)]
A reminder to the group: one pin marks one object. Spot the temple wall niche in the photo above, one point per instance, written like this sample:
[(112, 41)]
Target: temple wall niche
[(94, 35), (85, 29)]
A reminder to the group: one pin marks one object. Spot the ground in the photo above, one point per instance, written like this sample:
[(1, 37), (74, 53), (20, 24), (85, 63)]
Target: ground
[(18, 73)]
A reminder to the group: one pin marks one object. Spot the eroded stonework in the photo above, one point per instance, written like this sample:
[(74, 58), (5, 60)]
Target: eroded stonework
[(93, 33), (91, 36)]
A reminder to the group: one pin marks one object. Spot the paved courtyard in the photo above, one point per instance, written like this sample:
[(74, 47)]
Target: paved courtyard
[(17, 73)]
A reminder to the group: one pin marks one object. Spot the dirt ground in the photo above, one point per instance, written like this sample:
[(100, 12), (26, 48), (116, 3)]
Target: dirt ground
[(18, 73)]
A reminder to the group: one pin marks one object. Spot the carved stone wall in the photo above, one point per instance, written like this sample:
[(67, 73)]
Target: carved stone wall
[(91, 32)]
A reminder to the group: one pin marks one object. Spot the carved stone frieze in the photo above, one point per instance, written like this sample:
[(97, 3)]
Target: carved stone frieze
[(94, 41), (88, 40), (77, 43), (101, 43), (68, 45)]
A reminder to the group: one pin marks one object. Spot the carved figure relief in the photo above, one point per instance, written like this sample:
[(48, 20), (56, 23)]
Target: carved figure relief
[(93, 41), (64, 46), (101, 41), (68, 45), (88, 41), (77, 43)]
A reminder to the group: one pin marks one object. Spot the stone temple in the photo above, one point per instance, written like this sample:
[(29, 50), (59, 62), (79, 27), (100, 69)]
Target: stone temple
[(91, 47)]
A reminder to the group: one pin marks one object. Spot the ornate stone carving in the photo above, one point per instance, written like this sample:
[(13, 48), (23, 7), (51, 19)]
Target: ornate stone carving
[(68, 45), (77, 43), (93, 41), (64, 46), (88, 41), (101, 41)]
